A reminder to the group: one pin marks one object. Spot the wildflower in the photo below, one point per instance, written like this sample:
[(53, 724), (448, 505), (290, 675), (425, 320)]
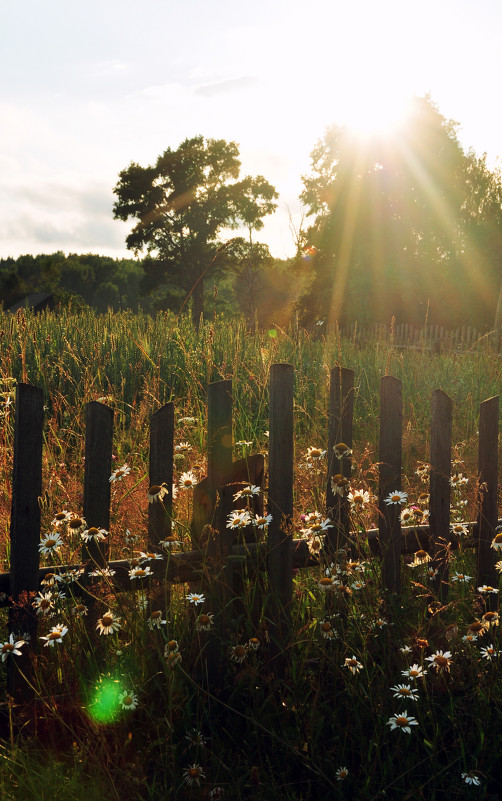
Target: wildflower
[(131, 538), (339, 484), (188, 480), (244, 443), (247, 492), (150, 556), (406, 649), (328, 583), (79, 610), (49, 580), (469, 638), (253, 643), (423, 499), (71, 575), (440, 661), (476, 627), (498, 566), (94, 534), (238, 520), (204, 622), (358, 585), (405, 691), (169, 543), (188, 420), (407, 515), (317, 524), (458, 480), (461, 577), (262, 522), (60, 518), (396, 497), (195, 598), (379, 623), (341, 774), (43, 603), (183, 447), (358, 498), (460, 529), (315, 453), (11, 647), (497, 541), (489, 651), (414, 672), (342, 450), (121, 472), (352, 664), (155, 621), (238, 653), (193, 774), (490, 619), (402, 721), (327, 630), (56, 634), (157, 492), (488, 589), (420, 557), (50, 543), (76, 525), (128, 700), (422, 471), (471, 777), (141, 601), (102, 572), (109, 623), (196, 739)]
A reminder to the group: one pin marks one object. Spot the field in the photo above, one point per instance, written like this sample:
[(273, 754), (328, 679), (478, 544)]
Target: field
[(126, 709)]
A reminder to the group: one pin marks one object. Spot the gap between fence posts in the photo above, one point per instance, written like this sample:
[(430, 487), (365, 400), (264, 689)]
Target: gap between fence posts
[(488, 479), (97, 488), (439, 488), (280, 506), (340, 420), (160, 471), (390, 456), (25, 532)]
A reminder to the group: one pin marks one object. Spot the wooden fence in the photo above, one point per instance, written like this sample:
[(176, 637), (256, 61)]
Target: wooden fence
[(433, 338), (276, 557)]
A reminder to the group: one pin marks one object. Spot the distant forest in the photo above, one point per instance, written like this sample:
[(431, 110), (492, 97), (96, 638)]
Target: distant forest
[(407, 227)]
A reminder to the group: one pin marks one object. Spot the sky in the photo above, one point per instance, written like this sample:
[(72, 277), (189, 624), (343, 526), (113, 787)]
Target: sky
[(88, 88)]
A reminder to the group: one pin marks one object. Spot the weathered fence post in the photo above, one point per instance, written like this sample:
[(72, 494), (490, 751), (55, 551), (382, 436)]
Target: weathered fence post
[(390, 455), (98, 468), (340, 417), (439, 502), (280, 506), (488, 478), (25, 529), (161, 472)]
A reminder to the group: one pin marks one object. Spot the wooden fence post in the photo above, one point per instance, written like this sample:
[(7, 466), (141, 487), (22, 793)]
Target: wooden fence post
[(161, 472), (280, 506), (340, 417), (25, 530), (488, 478), (98, 468), (439, 503), (390, 455), (219, 437)]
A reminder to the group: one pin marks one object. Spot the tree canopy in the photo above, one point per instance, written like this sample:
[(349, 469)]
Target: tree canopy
[(407, 226), (183, 204)]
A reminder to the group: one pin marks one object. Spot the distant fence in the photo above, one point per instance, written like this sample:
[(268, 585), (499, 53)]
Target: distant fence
[(434, 338), (275, 558)]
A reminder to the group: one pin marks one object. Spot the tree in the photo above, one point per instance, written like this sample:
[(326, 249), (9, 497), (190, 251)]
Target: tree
[(182, 204), (409, 226)]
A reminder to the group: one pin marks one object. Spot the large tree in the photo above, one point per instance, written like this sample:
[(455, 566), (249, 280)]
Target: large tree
[(183, 204), (408, 225)]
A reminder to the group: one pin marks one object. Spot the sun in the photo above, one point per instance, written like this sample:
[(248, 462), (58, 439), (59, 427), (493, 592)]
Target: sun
[(373, 110)]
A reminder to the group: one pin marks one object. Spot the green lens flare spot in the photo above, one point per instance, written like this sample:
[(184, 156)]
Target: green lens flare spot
[(104, 706)]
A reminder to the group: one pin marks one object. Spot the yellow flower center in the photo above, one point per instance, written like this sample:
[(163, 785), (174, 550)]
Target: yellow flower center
[(154, 489), (401, 721), (107, 620)]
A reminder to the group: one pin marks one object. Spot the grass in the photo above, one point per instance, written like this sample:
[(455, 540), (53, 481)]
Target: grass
[(135, 713)]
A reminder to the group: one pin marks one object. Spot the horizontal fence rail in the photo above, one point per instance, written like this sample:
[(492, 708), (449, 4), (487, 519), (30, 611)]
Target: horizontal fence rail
[(218, 564)]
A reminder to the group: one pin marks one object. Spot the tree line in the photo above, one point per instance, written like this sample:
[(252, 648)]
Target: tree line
[(407, 225)]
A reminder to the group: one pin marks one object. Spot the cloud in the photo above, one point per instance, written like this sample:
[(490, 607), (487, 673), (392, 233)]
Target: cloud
[(226, 86)]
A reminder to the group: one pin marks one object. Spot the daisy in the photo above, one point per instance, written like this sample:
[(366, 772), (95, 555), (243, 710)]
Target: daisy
[(157, 492), (341, 774), (328, 583), (50, 543), (43, 603), (80, 610), (497, 541), (342, 450), (171, 647), (262, 522), (476, 627), (358, 585), (11, 647), (460, 529), (238, 653), (420, 557), (56, 634), (498, 566), (440, 661), (140, 572), (339, 484), (461, 577), (121, 472), (238, 520), (490, 619), (128, 700), (60, 518), (195, 598), (193, 774), (94, 534), (155, 621), (102, 572), (358, 498), (150, 556), (471, 778), (469, 638), (315, 453), (414, 672), (244, 443), (204, 622), (188, 480), (489, 652), (169, 543), (405, 691), (487, 588), (76, 525), (458, 480), (109, 623), (253, 643), (247, 492), (406, 649), (422, 470), (327, 630), (396, 497), (352, 664), (183, 447), (402, 721)]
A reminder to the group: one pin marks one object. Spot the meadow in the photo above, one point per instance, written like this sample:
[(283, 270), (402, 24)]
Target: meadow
[(382, 698)]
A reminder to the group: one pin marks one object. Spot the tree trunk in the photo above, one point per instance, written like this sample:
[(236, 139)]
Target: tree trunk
[(198, 303), (497, 325)]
